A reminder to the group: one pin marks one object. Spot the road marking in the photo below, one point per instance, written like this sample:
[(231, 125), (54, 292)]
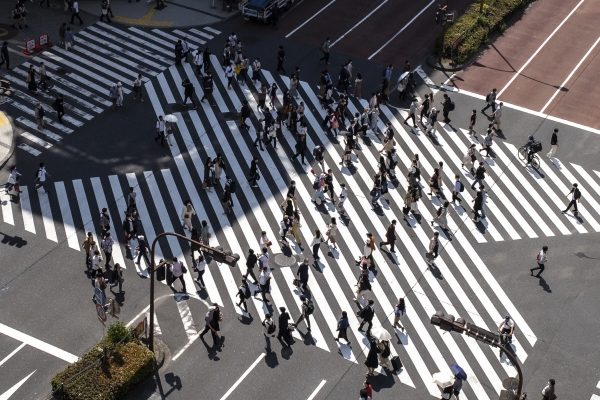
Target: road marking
[(314, 394), (217, 93), (164, 86), (38, 344), (7, 395), (84, 209), (112, 59), (186, 317), (30, 111), (562, 85), (359, 22), (595, 397), (175, 39), (44, 131), (205, 35), (134, 39), (191, 38), (36, 140), (308, 20), (26, 209), (177, 78), (6, 203), (403, 28), (67, 217), (146, 20), (29, 149), (151, 37), (216, 32), (13, 353), (244, 375), (47, 214), (539, 48)]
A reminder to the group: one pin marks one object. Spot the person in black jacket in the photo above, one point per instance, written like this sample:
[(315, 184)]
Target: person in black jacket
[(446, 107), (253, 172), (302, 275), (226, 201), (245, 113), (367, 315), (4, 56), (178, 52), (575, 198), (251, 260), (208, 85), (284, 331), (329, 183), (300, 149), (188, 92)]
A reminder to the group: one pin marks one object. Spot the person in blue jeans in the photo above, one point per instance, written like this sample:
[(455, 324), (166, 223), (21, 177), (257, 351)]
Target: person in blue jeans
[(117, 277), (376, 191), (479, 175)]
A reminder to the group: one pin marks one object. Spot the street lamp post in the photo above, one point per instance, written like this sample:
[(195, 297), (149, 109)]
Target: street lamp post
[(217, 253), (449, 324)]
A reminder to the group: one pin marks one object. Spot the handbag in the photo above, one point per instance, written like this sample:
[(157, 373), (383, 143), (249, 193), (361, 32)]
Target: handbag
[(184, 269), (296, 282), (268, 243)]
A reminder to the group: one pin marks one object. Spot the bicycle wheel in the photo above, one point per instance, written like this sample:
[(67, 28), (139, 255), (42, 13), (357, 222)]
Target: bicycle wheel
[(522, 154), (535, 162)]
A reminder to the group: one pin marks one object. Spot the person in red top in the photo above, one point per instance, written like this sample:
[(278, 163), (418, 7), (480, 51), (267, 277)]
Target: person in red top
[(368, 388)]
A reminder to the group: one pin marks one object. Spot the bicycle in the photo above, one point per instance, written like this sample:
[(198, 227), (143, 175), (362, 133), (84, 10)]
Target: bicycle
[(535, 161)]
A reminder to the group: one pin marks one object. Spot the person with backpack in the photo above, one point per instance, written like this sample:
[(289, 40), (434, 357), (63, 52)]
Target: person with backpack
[(441, 216), (342, 328), (487, 143), (308, 309), (367, 315), (269, 330), (226, 201), (448, 105), (104, 7), (40, 177), (243, 293), (458, 187), (575, 194), (541, 259), (320, 187), (490, 100), (107, 247)]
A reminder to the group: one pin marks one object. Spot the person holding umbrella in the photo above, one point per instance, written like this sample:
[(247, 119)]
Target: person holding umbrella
[(459, 376)]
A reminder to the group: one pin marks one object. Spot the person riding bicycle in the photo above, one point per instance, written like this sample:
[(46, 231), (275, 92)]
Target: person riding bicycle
[(507, 326), (529, 147)]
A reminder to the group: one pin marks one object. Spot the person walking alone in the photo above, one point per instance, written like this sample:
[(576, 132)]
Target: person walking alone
[(490, 100), (399, 311), (541, 259), (548, 391), (307, 309), (367, 315), (280, 59), (107, 247), (575, 194), (497, 115), (553, 143), (177, 269), (390, 236), (187, 212), (40, 177), (188, 92), (243, 293), (302, 275), (75, 11), (325, 50), (4, 55), (342, 328)]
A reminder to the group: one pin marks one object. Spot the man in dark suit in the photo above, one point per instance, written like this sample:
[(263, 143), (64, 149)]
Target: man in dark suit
[(575, 198), (302, 274), (367, 315), (284, 320), (390, 236)]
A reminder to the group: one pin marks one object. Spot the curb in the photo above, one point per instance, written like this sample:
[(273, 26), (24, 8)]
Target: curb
[(436, 65), (162, 357), (7, 144)]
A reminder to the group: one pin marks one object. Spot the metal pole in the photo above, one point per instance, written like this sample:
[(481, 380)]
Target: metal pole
[(517, 366)]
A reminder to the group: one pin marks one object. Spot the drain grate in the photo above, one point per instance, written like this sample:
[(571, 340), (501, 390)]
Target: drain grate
[(285, 261)]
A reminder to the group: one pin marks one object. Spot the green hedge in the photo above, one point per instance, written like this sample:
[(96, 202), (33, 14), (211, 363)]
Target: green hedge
[(473, 29), (128, 364)]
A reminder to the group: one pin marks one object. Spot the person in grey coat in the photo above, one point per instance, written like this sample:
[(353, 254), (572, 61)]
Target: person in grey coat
[(204, 233), (69, 38)]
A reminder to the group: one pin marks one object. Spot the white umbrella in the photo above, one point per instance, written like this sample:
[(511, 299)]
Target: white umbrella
[(443, 379), (170, 118), (380, 334)]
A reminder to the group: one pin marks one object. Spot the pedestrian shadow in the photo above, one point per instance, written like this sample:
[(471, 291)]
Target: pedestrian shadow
[(15, 241), (174, 382), (544, 285), (119, 297), (381, 381), (287, 351), (271, 359), (246, 320), (435, 271), (583, 255), (307, 338)]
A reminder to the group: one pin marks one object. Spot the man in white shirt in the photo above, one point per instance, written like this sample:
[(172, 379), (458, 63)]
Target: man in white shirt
[(541, 260), (75, 11), (41, 178), (160, 129), (177, 270), (497, 115), (507, 326), (186, 49), (198, 61), (342, 199), (458, 185)]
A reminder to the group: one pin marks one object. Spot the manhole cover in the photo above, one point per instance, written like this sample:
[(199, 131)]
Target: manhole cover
[(284, 260)]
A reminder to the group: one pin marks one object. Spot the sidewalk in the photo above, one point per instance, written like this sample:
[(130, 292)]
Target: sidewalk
[(177, 13)]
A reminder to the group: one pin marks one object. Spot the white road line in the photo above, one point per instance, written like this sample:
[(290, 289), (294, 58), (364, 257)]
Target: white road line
[(48, 109), (112, 59), (76, 88), (100, 68), (84, 210), (177, 203), (15, 351), (539, 48), (172, 38), (315, 333), (211, 287), (237, 104), (562, 85), (36, 140), (47, 214), (244, 375), (151, 37), (29, 110), (177, 79), (38, 344), (7, 212), (8, 394), (157, 330), (137, 40), (584, 193), (127, 52), (595, 397), (558, 202), (402, 30), (33, 125), (146, 224), (434, 88), (118, 193), (588, 178), (29, 149), (216, 32), (164, 87), (186, 318), (319, 387), (94, 75), (528, 188), (117, 253), (26, 210), (67, 217), (190, 38), (308, 20), (203, 34), (359, 22)]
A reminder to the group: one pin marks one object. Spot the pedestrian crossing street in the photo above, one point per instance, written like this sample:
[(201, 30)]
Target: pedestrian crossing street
[(522, 204), (103, 55)]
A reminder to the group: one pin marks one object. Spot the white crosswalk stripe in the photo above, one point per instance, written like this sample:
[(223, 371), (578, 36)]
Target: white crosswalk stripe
[(458, 282)]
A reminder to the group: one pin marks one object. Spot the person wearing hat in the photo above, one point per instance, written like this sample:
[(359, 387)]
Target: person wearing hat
[(119, 94), (208, 325), (307, 309), (284, 330)]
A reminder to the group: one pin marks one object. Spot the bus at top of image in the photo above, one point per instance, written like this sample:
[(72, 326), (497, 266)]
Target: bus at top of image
[(261, 10)]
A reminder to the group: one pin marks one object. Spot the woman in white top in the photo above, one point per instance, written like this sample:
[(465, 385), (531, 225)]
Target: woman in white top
[(468, 158), (187, 212), (264, 241), (200, 267), (229, 74), (119, 94), (357, 86), (13, 180), (331, 233), (442, 218), (294, 86)]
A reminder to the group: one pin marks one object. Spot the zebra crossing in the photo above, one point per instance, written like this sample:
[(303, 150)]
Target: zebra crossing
[(102, 56), (528, 206)]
